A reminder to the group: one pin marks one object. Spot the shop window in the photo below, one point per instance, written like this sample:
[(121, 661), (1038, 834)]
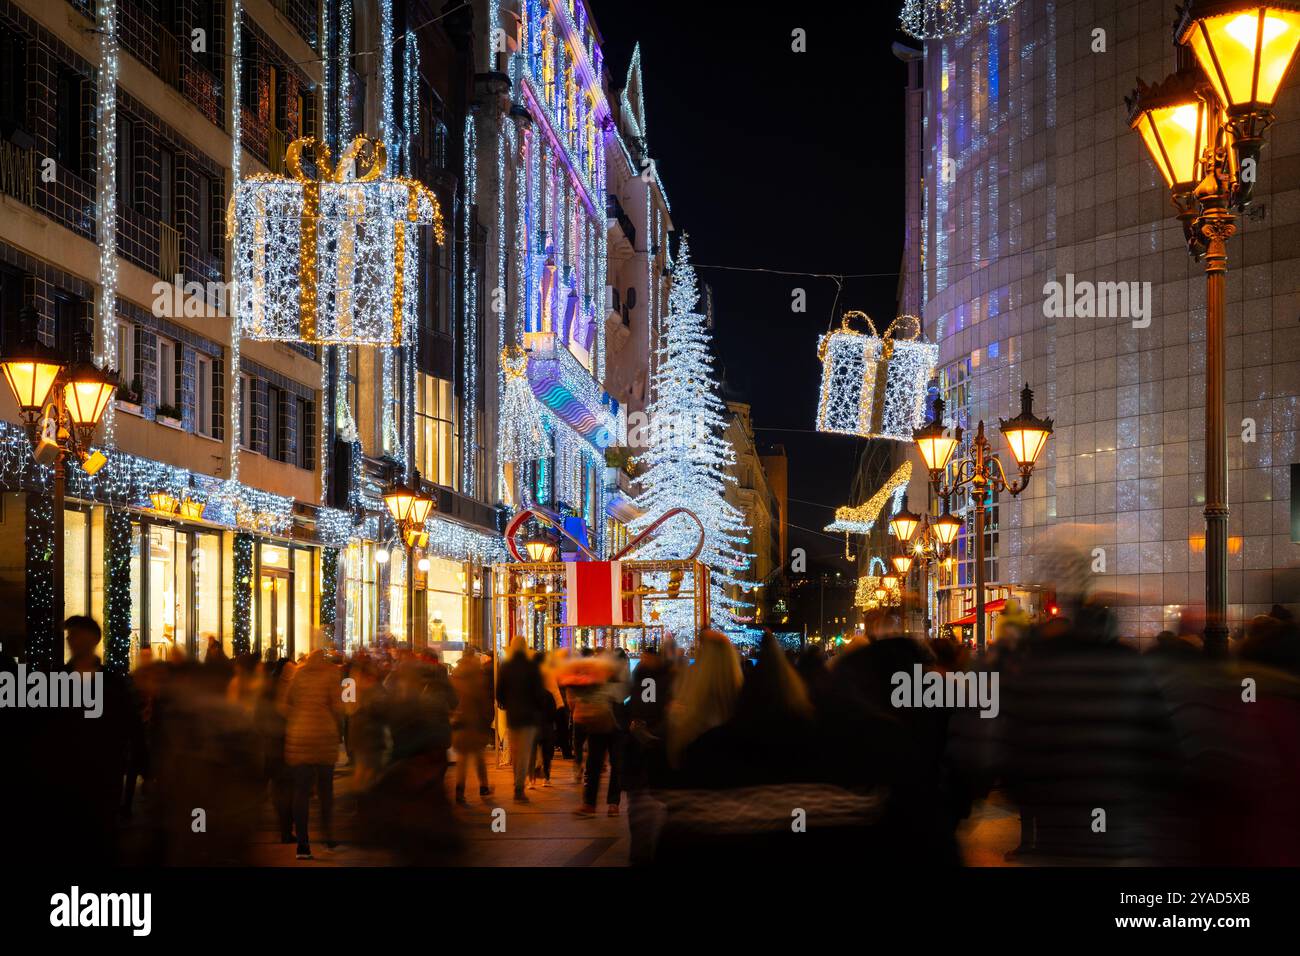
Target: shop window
[(205, 564), (77, 562), (397, 581), (304, 599), (444, 601)]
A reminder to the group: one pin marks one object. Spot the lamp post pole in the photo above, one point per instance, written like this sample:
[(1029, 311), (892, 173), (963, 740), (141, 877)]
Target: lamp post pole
[(1218, 226), (979, 492)]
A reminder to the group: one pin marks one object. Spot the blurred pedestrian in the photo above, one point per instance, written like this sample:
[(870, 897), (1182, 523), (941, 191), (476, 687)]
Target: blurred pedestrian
[(471, 725), (519, 693), (313, 711)]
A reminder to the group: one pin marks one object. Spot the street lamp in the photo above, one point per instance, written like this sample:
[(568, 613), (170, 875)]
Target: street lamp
[(540, 550), (1026, 436), (929, 540), (60, 405), (904, 523), (410, 507), (1210, 166)]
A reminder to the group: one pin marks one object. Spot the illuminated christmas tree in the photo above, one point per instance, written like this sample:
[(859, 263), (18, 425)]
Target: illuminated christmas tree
[(687, 459)]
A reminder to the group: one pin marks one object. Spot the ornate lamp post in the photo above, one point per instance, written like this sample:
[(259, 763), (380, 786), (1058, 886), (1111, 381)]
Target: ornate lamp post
[(410, 506), (1026, 435), (929, 540), (60, 405), (1204, 130)]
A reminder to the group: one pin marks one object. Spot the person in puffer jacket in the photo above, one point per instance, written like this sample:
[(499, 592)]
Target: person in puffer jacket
[(313, 712)]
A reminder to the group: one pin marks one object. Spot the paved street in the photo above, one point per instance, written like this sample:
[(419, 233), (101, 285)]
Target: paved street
[(543, 832)]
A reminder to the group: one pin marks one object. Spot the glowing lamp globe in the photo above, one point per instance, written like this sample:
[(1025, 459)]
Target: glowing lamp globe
[(420, 509), (87, 392), (1026, 434), (904, 523), (935, 442), (30, 369), (540, 550), (400, 500), (1245, 49), (946, 526), (902, 563), (1175, 125)]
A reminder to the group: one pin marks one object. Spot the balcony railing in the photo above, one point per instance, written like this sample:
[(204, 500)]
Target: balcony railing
[(169, 252), (17, 172)]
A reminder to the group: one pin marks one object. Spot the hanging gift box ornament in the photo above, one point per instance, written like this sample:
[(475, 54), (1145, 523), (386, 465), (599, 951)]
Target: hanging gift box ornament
[(329, 259), (907, 363), (849, 359), (874, 385)]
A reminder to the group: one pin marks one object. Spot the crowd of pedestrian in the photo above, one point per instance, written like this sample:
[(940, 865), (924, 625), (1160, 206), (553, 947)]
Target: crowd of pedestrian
[(771, 754)]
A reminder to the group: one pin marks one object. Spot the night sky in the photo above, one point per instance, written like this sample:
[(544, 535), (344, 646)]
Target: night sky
[(777, 160)]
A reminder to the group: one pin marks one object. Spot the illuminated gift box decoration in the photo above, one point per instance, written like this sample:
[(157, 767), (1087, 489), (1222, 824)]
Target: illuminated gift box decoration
[(874, 385), (332, 259)]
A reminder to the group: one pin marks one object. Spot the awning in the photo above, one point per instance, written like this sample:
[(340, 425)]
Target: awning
[(992, 607)]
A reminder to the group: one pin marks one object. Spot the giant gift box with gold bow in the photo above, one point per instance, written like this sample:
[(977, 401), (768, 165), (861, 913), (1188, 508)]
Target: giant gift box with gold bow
[(874, 385), (329, 255)]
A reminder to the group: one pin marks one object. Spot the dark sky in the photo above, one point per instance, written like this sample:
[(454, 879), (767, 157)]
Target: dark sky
[(777, 160)]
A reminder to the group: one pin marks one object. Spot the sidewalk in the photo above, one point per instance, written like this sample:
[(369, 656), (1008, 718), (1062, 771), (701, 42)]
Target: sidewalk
[(542, 832)]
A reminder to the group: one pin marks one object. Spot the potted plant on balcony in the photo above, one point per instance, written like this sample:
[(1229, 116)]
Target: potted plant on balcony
[(129, 396), (169, 415)]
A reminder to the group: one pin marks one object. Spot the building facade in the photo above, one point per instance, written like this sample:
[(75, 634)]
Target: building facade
[(1031, 176), (241, 500)]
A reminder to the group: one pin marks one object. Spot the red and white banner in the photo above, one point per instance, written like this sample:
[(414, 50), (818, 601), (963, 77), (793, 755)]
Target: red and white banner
[(593, 593)]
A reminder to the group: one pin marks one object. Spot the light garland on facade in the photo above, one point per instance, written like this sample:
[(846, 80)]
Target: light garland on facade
[(945, 19), (344, 132), (469, 323), (106, 194), (236, 146)]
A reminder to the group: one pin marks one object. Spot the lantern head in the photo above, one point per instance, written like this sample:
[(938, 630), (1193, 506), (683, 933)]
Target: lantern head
[(904, 523), (1174, 120), (1026, 434), (902, 563), (1245, 49), (936, 442), (86, 393), (946, 526), (30, 368), (400, 499)]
